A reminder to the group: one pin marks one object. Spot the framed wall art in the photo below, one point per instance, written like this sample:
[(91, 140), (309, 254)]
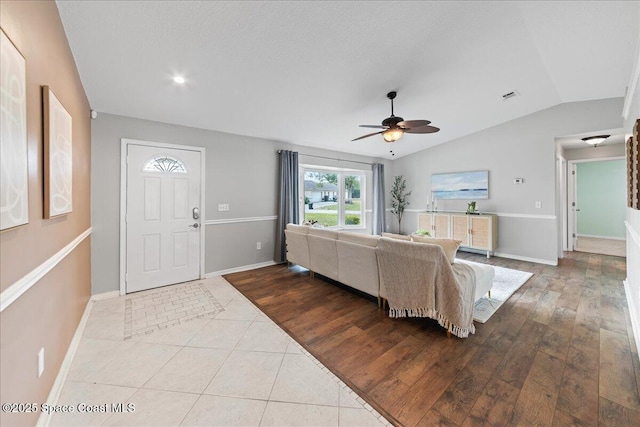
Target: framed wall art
[(14, 167), (58, 167), (633, 168), (460, 185)]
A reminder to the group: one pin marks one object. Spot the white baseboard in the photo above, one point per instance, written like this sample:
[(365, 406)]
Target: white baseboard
[(525, 258), (602, 237), (56, 389), (239, 269), (105, 295), (635, 326)]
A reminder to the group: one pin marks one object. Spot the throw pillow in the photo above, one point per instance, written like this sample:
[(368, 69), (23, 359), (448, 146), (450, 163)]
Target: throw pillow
[(449, 246)]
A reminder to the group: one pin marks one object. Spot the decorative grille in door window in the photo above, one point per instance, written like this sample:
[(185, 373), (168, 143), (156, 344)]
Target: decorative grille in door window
[(164, 164)]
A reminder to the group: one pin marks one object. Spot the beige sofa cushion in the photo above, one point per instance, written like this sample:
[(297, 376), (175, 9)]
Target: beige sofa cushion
[(360, 239), (484, 276), (324, 232), (397, 236), (449, 246), (323, 255), (304, 229), (358, 266)]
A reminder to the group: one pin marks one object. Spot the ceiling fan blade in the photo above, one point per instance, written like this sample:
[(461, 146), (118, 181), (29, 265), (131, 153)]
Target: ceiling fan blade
[(368, 135), (410, 124), (423, 129), (375, 126)]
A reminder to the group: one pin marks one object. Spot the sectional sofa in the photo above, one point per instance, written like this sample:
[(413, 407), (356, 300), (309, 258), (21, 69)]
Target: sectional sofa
[(350, 258)]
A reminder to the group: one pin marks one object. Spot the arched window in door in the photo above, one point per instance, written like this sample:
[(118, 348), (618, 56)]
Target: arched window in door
[(164, 164)]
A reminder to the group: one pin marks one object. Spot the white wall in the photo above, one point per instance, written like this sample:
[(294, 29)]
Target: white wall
[(522, 148), (240, 171)]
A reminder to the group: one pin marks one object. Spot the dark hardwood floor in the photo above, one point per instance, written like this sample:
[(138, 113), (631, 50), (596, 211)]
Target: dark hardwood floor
[(559, 352)]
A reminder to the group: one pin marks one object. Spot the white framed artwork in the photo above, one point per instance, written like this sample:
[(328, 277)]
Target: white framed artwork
[(14, 167), (58, 165)]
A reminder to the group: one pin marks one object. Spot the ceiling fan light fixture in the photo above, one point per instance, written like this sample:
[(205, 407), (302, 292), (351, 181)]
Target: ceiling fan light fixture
[(595, 140), (392, 135)]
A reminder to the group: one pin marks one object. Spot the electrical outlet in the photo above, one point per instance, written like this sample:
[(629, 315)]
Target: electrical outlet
[(40, 362), (259, 245), (538, 205)]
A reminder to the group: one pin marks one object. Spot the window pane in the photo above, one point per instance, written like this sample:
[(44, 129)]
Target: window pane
[(164, 164), (352, 200), (321, 198)]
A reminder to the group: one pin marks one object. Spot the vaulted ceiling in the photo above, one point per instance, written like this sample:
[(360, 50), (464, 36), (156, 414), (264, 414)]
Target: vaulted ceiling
[(309, 72)]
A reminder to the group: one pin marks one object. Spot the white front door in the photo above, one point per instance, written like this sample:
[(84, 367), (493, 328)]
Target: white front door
[(162, 216)]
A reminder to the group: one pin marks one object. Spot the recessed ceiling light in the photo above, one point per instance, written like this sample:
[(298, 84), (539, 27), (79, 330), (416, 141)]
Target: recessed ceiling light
[(179, 79)]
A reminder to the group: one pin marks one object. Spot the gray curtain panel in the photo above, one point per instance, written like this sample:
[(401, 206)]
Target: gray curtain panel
[(287, 200), (378, 198)]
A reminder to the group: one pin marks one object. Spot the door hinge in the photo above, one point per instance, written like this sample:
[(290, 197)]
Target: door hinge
[(573, 204), (574, 235), (573, 172)]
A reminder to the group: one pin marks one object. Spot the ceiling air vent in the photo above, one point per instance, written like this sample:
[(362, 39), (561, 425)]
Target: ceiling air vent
[(509, 95)]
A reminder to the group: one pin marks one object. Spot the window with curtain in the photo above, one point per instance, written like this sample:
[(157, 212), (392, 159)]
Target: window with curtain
[(334, 198)]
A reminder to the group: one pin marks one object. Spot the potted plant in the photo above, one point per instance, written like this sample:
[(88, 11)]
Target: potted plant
[(399, 199)]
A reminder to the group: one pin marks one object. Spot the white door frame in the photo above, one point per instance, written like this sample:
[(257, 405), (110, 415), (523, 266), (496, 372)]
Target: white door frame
[(572, 196), (124, 144)]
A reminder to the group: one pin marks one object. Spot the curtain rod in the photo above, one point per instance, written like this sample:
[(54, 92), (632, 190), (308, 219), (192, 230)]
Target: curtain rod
[(331, 158)]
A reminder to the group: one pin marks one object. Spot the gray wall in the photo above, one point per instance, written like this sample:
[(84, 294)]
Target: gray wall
[(240, 171), (522, 148)]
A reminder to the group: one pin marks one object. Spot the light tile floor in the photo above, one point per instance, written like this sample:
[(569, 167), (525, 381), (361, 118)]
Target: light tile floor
[(199, 354)]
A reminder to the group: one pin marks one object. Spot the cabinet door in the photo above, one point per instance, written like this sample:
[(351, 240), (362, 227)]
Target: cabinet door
[(460, 228), (480, 232), (425, 222), (441, 226)]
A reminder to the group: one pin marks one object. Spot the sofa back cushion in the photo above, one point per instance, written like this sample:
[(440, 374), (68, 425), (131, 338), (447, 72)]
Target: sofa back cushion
[(324, 232), (449, 246), (304, 229), (397, 236), (359, 239)]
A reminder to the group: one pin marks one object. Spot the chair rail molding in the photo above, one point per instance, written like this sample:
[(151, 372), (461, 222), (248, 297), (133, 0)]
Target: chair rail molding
[(238, 220), (20, 286)]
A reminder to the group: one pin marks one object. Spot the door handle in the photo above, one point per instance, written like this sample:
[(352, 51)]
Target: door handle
[(195, 225), (577, 210)]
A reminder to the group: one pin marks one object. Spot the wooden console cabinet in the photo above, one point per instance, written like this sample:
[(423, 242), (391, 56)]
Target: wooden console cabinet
[(475, 231), (438, 224)]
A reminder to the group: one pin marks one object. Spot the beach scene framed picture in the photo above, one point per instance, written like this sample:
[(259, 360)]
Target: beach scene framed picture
[(460, 185)]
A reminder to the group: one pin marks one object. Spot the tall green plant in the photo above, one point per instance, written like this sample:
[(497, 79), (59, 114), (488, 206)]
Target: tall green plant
[(399, 199)]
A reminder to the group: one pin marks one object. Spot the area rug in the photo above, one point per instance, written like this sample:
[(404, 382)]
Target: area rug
[(151, 311), (505, 283)]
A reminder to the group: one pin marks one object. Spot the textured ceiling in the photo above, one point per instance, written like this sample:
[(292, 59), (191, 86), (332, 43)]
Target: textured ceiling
[(309, 73)]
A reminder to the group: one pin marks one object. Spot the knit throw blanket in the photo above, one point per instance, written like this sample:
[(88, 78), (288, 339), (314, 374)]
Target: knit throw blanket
[(420, 282)]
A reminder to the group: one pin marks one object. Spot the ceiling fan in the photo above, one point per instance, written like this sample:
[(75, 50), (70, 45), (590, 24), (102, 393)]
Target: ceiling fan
[(393, 127)]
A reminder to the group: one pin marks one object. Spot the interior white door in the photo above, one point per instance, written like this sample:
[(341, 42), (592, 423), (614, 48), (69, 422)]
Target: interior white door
[(162, 217)]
